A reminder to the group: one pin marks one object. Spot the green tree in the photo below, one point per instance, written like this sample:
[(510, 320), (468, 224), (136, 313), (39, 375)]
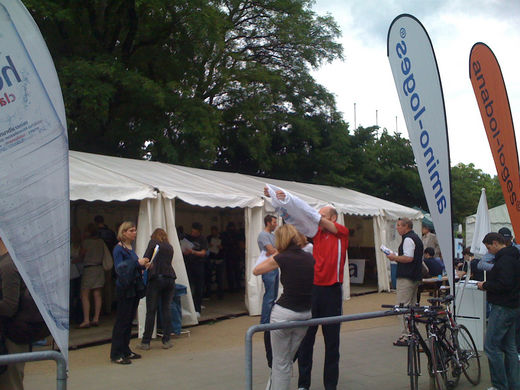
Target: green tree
[(385, 167), (207, 83), (467, 183)]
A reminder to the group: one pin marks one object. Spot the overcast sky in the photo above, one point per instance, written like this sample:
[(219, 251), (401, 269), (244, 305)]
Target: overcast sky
[(365, 78)]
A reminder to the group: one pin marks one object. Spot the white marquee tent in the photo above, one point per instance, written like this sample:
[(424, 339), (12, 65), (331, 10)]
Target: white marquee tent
[(498, 216), (157, 185)]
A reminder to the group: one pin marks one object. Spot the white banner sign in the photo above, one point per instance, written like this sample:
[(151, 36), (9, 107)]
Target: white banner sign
[(418, 84), (34, 181)]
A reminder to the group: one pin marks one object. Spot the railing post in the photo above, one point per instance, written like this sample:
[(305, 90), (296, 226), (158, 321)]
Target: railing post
[(296, 324), (61, 363), (249, 357), (61, 375)]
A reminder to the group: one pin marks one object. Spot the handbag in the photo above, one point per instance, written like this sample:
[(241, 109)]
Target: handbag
[(108, 261), (140, 287)]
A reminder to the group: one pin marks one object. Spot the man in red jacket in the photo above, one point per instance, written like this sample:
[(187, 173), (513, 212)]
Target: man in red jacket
[(330, 251)]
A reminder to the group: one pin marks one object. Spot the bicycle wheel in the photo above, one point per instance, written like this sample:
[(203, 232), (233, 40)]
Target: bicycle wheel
[(468, 355), (413, 364), (451, 364), (437, 366)]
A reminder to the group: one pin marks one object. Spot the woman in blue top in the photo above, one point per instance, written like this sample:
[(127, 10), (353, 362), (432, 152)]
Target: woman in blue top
[(126, 262)]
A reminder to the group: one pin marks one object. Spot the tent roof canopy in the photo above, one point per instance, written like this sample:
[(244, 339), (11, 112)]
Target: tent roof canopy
[(105, 178), (498, 214)]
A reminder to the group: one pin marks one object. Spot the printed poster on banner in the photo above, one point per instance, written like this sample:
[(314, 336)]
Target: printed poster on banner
[(416, 76), (34, 190), (493, 103)]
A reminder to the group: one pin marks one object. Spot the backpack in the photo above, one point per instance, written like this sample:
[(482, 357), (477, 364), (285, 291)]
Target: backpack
[(27, 325)]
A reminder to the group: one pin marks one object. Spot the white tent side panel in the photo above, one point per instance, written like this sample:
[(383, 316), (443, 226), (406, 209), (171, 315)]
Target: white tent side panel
[(254, 286), (382, 262), (160, 213), (346, 268)]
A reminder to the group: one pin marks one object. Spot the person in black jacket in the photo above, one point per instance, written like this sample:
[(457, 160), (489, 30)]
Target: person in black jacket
[(503, 293), (161, 284), (104, 232)]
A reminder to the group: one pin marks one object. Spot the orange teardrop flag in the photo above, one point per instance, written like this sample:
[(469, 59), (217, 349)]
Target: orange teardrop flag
[(490, 92)]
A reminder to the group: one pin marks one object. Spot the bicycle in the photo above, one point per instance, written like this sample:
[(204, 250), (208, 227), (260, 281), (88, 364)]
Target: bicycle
[(453, 349), (414, 315)]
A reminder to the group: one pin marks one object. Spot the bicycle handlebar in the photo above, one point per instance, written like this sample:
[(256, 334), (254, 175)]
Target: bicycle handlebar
[(413, 308), (446, 299)]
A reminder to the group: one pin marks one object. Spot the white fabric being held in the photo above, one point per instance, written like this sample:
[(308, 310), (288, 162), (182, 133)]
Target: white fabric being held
[(295, 211), (263, 256)]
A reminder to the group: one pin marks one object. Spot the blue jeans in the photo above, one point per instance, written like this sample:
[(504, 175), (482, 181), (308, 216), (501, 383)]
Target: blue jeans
[(500, 348), (270, 280)]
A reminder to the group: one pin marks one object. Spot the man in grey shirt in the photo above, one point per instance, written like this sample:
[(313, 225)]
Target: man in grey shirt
[(271, 279)]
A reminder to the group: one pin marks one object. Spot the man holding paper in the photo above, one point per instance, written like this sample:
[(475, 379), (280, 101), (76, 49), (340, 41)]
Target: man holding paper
[(330, 241), (409, 269)]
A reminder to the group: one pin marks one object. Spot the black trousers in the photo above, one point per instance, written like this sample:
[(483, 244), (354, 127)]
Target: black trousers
[(216, 265), (122, 331), (163, 288), (327, 301), (233, 274), (196, 275), (75, 310)]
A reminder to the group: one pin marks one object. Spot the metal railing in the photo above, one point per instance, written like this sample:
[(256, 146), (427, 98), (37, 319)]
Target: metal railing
[(61, 363), (297, 324)]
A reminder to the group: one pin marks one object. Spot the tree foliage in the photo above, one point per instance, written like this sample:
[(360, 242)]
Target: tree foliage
[(207, 83), (467, 183), (386, 167), (225, 84)]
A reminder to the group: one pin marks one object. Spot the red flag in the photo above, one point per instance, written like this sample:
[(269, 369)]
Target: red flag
[(490, 92)]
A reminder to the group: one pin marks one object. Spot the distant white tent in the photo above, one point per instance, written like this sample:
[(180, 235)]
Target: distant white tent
[(158, 185), (498, 218)]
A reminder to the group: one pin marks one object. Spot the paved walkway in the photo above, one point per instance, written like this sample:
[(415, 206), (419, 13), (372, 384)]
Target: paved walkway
[(213, 358)]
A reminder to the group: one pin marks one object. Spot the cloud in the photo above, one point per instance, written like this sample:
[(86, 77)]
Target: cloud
[(454, 26)]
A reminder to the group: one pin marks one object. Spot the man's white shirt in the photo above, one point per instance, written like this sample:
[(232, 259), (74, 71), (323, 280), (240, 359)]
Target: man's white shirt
[(408, 247)]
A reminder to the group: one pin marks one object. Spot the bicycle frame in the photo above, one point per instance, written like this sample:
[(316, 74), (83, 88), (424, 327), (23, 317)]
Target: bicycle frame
[(413, 315)]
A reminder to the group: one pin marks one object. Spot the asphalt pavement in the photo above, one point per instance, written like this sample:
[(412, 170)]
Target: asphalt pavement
[(212, 358)]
